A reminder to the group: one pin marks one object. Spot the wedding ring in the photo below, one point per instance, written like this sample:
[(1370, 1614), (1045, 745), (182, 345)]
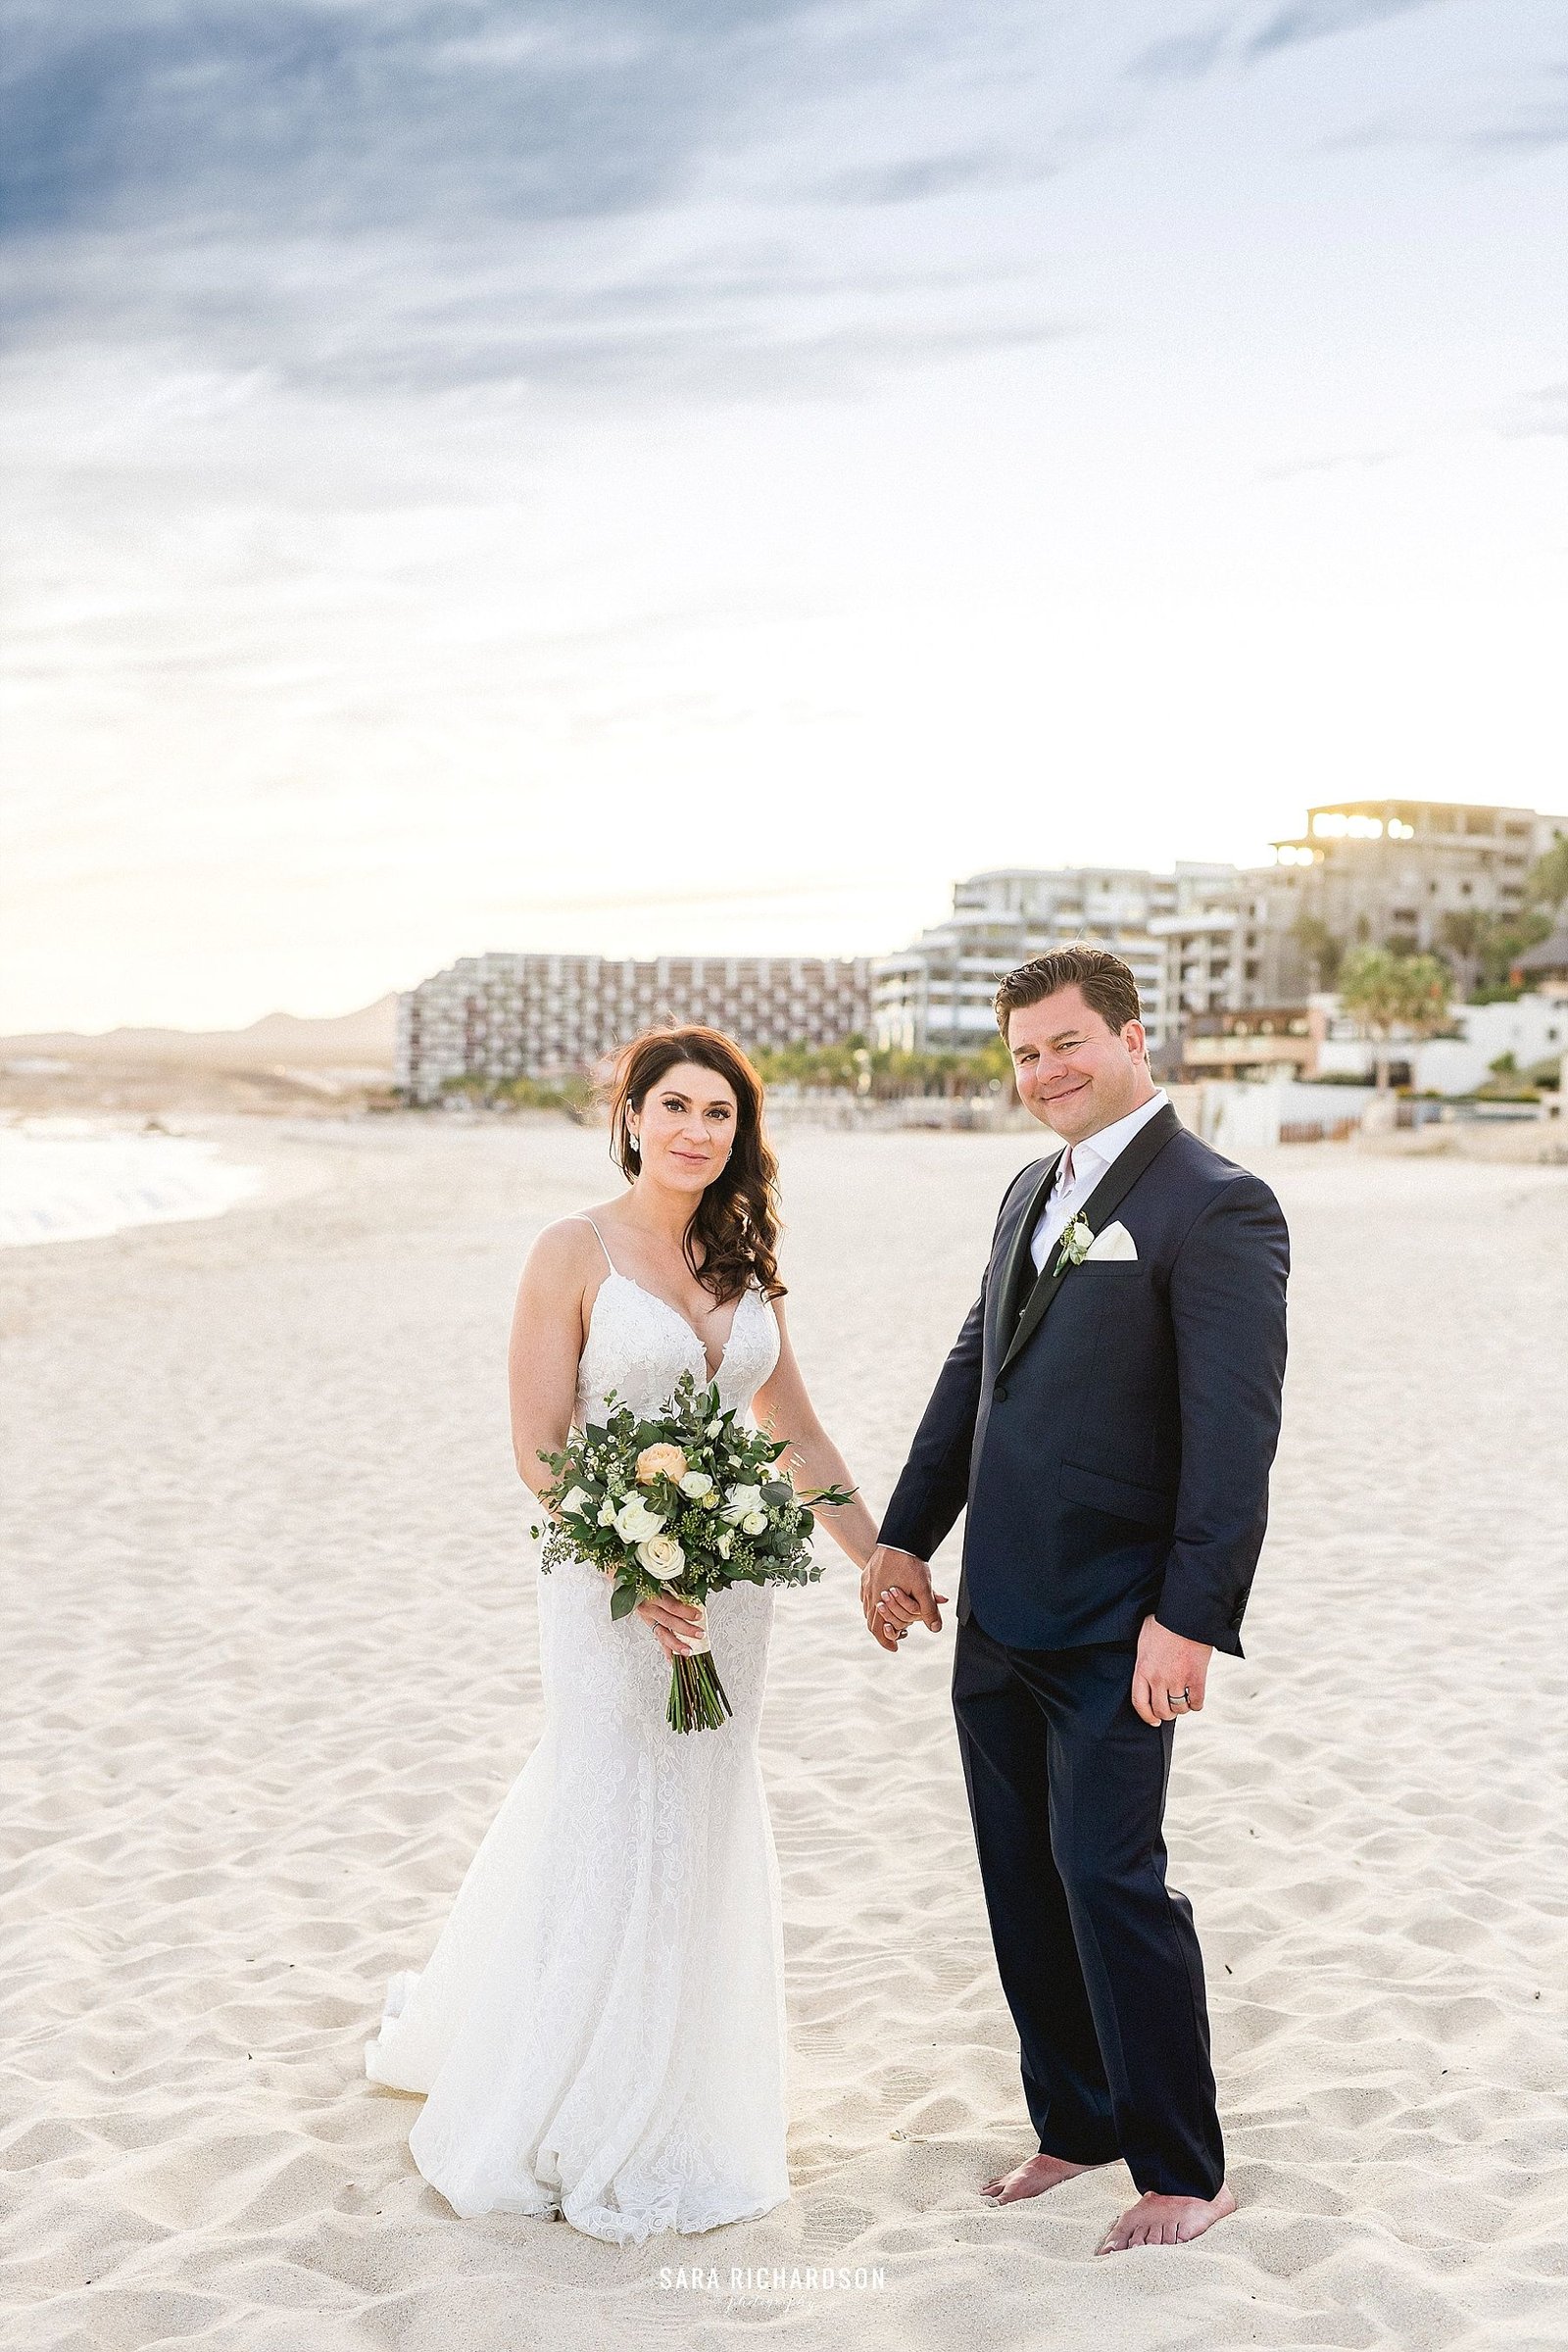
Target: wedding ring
[(1183, 1697)]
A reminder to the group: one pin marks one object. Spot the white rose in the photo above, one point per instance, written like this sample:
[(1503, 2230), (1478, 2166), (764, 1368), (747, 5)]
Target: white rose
[(741, 1500), (755, 1523), (635, 1522), (710, 1501), (695, 1483), (662, 1556), (607, 1513), (713, 1428), (723, 1544), (575, 1502)]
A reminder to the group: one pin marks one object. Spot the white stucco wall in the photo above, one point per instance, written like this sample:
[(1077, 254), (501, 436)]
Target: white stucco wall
[(1531, 1029)]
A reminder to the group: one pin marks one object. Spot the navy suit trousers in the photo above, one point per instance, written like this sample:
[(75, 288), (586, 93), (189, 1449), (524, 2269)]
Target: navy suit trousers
[(1099, 1957)]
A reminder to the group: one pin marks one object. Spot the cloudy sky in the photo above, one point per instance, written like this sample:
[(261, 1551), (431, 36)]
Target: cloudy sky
[(650, 474)]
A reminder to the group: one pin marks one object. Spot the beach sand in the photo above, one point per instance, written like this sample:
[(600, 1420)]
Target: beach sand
[(270, 1667)]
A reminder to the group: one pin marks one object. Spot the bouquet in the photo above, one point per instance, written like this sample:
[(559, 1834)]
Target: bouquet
[(685, 1504)]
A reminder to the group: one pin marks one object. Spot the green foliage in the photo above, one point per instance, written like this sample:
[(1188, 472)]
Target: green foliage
[(571, 1095), (1465, 936), (1485, 948), (1547, 883), (1385, 990), (886, 1074), (1323, 948), (1386, 993)]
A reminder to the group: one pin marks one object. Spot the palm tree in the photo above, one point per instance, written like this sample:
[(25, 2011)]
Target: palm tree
[(1547, 883), (1466, 934), (1323, 948), (1386, 991)]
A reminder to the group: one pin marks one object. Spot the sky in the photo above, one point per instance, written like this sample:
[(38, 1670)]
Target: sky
[(677, 475)]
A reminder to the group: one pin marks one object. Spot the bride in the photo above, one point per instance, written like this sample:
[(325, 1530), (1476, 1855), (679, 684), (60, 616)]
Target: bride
[(599, 2031)]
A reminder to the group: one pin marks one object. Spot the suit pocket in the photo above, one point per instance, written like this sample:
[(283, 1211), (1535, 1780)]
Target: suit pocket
[(1121, 1497)]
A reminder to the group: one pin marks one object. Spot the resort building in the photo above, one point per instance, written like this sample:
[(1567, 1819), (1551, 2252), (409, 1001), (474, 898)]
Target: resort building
[(547, 1016), (1386, 871), (1545, 968), (1198, 941), (1226, 958), (1270, 1041)]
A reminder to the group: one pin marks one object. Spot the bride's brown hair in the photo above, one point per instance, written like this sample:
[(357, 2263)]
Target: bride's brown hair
[(736, 1220)]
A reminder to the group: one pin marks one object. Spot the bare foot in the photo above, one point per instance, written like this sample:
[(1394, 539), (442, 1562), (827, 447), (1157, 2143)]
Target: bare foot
[(1032, 2178), (1156, 2221)]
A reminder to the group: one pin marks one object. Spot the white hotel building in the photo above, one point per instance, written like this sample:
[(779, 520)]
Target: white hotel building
[(504, 1017), (1198, 941)]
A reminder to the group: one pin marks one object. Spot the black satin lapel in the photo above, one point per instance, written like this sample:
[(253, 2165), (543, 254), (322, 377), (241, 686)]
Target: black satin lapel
[(1017, 1260), (1098, 1210)]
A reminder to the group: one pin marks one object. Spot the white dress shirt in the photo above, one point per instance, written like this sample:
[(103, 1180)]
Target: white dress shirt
[(1090, 1160)]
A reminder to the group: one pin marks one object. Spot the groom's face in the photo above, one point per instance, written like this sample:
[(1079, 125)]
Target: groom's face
[(1074, 1072)]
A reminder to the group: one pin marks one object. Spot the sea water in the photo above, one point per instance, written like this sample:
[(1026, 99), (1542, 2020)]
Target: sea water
[(73, 1180)]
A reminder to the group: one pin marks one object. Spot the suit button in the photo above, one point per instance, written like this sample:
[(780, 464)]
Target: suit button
[(999, 1394)]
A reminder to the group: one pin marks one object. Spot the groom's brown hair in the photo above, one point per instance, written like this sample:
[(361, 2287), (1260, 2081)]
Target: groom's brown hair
[(1105, 983)]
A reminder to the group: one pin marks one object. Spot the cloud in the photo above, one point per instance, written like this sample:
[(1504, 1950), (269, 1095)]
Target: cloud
[(341, 116), (917, 178), (1546, 416), (1180, 56), (1190, 55), (1537, 127), (1320, 19), (1337, 461), (446, 194)]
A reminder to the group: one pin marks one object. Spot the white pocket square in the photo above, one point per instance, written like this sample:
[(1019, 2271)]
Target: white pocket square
[(1114, 1242)]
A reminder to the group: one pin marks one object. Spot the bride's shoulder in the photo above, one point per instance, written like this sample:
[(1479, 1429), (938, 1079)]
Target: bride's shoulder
[(565, 1251)]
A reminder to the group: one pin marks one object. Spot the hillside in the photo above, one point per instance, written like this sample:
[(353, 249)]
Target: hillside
[(361, 1040)]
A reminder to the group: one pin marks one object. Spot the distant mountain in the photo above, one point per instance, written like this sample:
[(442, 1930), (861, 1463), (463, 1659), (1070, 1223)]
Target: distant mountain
[(361, 1040)]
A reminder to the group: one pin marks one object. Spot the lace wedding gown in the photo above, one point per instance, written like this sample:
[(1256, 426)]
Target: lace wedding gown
[(599, 2031)]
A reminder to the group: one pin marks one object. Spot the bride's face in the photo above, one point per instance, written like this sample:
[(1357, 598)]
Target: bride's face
[(685, 1127)]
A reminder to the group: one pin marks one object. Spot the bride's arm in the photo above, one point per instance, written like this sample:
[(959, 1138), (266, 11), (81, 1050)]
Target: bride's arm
[(542, 1358), (547, 1336), (782, 1406)]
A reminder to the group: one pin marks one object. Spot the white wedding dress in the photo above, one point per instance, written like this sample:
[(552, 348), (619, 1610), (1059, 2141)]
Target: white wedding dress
[(600, 2030)]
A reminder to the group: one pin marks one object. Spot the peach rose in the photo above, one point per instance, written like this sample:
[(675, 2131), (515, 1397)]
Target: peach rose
[(661, 1462)]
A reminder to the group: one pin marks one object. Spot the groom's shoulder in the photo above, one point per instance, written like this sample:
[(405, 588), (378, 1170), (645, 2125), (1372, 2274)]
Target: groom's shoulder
[(1215, 1181)]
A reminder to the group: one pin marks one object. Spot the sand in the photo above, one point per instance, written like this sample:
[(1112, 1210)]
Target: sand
[(268, 1642)]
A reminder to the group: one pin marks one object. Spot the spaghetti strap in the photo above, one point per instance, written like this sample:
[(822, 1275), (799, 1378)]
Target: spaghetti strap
[(608, 1260)]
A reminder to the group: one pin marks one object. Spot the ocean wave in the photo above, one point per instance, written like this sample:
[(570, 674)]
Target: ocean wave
[(66, 1179)]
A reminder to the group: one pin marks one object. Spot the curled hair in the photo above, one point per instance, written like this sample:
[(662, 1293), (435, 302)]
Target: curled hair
[(1105, 982), (736, 1220)]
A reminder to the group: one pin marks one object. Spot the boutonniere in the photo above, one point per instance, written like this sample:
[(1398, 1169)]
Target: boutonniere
[(1076, 1243)]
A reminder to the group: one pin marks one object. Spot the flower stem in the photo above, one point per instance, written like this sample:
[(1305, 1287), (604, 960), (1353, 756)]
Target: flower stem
[(697, 1701)]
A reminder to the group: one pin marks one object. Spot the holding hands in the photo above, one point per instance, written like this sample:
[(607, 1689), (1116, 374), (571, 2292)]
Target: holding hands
[(1170, 1674), (895, 1593)]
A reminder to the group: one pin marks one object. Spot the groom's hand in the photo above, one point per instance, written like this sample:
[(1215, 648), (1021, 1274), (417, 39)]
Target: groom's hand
[(1167, 1666), (895, 1592)]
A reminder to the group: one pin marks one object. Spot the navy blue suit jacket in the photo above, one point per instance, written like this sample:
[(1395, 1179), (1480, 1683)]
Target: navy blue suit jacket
[(1113, 1442)]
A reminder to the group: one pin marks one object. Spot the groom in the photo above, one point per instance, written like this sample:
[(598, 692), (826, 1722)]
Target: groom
[(1108, 1414)]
